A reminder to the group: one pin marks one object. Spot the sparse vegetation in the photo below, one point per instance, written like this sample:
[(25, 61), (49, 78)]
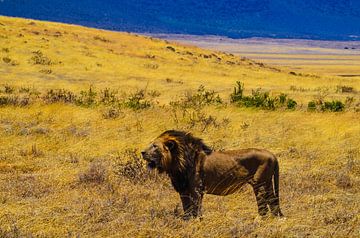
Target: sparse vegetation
[(260, 99), (133, 168), (96, 173), (39, 58), (103, 39), (137, 101), (199, 99), (332, 106), (344, 89)]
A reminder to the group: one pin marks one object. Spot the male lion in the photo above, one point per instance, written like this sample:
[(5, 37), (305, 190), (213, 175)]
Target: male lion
[(194, 169)]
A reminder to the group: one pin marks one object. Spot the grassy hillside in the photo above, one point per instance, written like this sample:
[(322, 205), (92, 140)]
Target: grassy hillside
[(78, 104)]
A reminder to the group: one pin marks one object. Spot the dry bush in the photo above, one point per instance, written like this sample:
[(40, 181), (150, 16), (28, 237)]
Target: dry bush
[(14, 100), (101, 38), (189, 119), (40, 59), (59, 95), (96, 173), (112, 113), (133, 168), (345, 89), (202, 97)]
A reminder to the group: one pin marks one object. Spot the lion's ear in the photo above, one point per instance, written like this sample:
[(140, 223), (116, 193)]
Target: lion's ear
[(170, 144)]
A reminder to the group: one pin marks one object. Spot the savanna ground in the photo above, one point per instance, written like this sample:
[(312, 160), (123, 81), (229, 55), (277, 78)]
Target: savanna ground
[(78, 104)]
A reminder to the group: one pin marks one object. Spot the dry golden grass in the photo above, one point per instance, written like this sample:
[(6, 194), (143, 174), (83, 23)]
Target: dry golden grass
[(63, 166), (330, 58)]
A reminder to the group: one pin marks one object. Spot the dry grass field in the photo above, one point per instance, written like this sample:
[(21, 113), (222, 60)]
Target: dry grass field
[(341, 58), (77, 105)]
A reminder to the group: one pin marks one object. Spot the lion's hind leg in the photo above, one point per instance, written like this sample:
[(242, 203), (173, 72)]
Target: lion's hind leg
[(260, 194), (272, 200)]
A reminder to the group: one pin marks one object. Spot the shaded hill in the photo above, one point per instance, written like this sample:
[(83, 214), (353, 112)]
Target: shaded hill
[(281, 19)]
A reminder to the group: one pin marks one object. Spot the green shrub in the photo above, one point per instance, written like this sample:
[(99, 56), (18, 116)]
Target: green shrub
[(201, 98), (237, 95), (333, 106), (260, 99), (87, 97), (108, 97), (137, 101), (282, 98), (312, 106), (291, 104)]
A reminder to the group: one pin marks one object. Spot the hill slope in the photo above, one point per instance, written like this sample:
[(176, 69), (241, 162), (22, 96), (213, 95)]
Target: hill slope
[(286, 19), (78, 104)]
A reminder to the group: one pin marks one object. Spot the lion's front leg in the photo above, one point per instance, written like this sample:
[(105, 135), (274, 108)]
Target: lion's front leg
[(192, 203)]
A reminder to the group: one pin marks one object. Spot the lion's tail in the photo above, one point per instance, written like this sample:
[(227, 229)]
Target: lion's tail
[(276, 186)]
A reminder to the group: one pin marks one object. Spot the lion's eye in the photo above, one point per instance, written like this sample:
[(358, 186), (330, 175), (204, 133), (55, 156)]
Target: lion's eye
[(154, 146)]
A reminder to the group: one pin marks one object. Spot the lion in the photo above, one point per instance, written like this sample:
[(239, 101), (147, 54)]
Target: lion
[(195, 169)]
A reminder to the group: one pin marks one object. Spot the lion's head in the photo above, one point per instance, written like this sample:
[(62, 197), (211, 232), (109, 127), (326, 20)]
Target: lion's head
[(173, 150)]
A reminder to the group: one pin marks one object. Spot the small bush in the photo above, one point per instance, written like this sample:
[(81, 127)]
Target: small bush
[(96, 173), (100, 38), (12, 100), (237, 95), (6, 60), (134, 169), (108, 97), (260, 99), (154, 93), (137, 101), (45, 71), (282, 98), (312, 106), (333, 106), (170, 48), (40, 58), (111, 113), (59, 95), (151, 66), (291, 104), (7, 100), (87, 97), (9, 89), (344, 89), (201, 98), (24, 90)]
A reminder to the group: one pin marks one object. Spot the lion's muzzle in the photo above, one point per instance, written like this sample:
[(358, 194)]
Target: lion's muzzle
[(152, 163)]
